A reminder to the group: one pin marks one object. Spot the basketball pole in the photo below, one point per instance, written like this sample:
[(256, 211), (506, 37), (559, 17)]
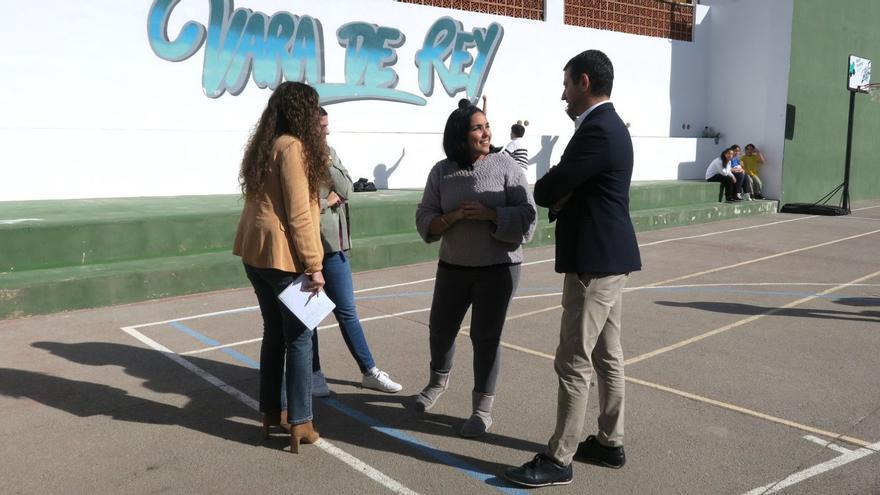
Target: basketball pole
[(849, 133)]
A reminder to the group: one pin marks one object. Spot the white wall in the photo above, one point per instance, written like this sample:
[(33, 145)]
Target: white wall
[(89, 110), (750, 47)]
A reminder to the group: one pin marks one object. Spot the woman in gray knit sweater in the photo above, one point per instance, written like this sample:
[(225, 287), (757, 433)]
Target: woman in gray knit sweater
[(479, 207)]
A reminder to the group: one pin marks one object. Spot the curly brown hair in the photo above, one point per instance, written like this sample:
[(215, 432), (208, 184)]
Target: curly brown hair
[(293, 109)]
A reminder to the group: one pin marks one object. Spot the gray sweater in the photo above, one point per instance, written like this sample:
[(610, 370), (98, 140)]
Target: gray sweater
[(497, 182)]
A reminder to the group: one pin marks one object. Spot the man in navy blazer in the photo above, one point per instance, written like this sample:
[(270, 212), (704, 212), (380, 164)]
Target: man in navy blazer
[(596, 249)]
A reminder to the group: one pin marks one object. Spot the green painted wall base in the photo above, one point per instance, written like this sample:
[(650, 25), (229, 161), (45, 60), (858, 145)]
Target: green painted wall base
[(64, 255)]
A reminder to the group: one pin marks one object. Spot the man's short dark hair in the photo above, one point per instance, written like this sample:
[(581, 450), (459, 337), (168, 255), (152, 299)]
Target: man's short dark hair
[(597, 66), (518, 130), (322, 111)]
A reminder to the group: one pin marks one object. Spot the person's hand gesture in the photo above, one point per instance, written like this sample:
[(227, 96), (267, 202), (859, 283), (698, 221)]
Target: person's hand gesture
[(474, 210), (557, 206), (314, 283), (333, 199)]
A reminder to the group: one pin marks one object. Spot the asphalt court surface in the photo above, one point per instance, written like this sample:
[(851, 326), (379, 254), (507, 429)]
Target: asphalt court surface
[(752, 366)]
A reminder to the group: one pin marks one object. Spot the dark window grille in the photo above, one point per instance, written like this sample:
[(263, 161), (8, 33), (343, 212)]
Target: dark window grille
[(524, 9), (672, 19)]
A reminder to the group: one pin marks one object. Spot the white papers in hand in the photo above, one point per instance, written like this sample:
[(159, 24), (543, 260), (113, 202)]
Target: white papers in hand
[(308, 307)]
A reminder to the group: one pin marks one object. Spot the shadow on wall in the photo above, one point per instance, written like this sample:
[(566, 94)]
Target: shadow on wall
[(706, 151), (541, 159), (381, 172)]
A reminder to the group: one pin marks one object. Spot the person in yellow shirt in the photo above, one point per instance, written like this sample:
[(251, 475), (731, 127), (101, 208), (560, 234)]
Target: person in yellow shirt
[(750, 162)]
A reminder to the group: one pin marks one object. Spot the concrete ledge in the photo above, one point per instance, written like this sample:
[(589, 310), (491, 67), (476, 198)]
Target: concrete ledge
[(91, 253)]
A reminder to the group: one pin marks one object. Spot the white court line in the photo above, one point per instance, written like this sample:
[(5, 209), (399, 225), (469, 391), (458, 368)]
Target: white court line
[(353, 462), (750, 319), (536, 296), (753, 284), (372, 318), (828, 444), (751, 412), (725, 231), (195, 317), (866, 208), (764, 258), (708, 234), (395, 285), (816, 470), (424, 280), (250, 341), (856, 441)]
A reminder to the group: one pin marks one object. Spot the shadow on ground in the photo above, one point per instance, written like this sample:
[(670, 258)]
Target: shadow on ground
[(382, 422), (751, 310)]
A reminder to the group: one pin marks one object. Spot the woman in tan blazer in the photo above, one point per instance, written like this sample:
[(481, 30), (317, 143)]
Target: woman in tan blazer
[(279, 238)]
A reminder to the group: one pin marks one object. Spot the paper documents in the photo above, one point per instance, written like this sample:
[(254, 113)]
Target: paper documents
[(309, 308)]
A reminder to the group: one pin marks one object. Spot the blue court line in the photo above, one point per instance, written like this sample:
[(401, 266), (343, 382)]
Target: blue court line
[(436, 454), (211, 342), (439, 455)]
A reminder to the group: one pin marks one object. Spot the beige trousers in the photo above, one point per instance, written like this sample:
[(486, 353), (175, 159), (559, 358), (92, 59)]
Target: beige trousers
[(589, 338)]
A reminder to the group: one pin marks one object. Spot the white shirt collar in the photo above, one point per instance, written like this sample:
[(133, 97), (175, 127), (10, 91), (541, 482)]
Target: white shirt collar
[(583, 116)]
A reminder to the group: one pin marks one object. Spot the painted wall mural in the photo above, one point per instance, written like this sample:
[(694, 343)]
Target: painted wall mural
[(240, 44)]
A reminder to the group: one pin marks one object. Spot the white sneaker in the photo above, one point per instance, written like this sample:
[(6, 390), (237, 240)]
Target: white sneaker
[(379, 380), (319, 385)]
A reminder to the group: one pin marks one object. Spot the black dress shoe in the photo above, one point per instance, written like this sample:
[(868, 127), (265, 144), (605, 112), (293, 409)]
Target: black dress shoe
[(540, 471), (593, 452)]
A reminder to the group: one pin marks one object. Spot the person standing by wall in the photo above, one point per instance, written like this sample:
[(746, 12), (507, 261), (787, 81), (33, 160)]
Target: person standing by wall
[(336, 239), (516, 148), (278, 239), (596, 249)]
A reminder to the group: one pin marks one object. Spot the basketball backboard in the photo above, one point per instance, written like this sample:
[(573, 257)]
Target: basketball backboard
[(858, 74)]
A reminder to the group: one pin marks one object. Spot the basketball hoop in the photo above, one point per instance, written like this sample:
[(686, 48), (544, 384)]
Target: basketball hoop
[(872, 90)]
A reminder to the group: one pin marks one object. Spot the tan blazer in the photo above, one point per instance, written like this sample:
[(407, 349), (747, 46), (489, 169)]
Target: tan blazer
[(280, 226)]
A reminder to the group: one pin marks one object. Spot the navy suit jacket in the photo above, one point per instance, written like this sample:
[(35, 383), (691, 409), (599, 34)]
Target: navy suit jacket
[(594, 233)]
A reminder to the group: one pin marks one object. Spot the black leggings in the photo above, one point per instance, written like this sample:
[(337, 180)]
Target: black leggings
[(730, 189), (488, 291)]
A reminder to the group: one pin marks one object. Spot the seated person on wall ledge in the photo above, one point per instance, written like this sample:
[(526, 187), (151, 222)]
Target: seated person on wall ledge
[(738, 172), (719, 171), (750, 162)]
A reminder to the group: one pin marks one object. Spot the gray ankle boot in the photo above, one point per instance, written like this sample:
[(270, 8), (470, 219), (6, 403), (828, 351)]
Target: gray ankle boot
[(481, 419), (437, 384)]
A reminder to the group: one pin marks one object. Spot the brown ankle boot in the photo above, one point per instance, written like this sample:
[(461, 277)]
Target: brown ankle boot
[(270, 419), (302, 433), (284, 424)]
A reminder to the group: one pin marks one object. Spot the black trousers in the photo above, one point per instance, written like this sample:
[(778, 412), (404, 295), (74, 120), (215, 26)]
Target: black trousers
[(487, 291), (728, 184)]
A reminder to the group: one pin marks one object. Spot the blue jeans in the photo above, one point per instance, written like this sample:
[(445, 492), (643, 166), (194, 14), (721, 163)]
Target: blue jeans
[(282, 331), (338, 286)]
